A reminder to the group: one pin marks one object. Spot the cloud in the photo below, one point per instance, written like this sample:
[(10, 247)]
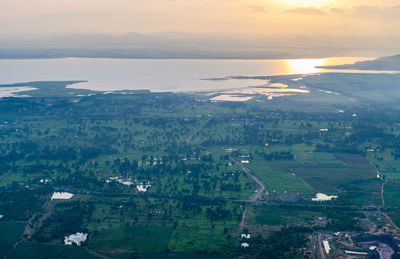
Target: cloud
[(375, 12), (307, 11), (337, 11), (257, 8), (359, 12)]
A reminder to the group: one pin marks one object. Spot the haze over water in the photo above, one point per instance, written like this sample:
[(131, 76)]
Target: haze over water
[(158, 75)]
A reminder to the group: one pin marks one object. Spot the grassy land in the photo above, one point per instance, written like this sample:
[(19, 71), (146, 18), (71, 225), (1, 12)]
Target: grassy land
[(297, 146), (37, 250), (10, 233), (278, 181), (392, 194)]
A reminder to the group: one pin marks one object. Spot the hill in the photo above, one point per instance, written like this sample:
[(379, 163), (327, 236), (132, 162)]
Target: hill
[(390, 63)]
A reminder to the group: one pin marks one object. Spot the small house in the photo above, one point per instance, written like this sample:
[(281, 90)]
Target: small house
[(247, 236), (244, 245)]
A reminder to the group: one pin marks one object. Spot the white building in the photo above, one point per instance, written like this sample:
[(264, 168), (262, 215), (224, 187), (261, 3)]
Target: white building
[(326, 246), (143, 187), (324, 197), (61, 196), (244, 245), (77, 238), (247, 236), (355, 253)]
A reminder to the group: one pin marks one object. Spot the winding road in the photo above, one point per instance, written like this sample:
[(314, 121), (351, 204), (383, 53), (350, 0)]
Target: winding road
[(257, 196)]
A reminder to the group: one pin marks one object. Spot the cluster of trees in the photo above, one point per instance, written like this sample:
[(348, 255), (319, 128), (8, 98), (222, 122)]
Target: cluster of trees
[(19, 203), (125, 126), (67, 219), (218, 213)]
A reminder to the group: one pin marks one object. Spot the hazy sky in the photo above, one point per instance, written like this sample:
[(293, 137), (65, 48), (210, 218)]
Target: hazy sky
[(261, 17)]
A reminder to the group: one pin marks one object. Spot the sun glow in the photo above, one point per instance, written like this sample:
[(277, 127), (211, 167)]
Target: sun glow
[(304, 2), (304, 66)]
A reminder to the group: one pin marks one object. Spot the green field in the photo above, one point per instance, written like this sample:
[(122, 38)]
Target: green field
[(279, 181), (10, 233), (154, 175), (139, 239), (392, 194), (37, 250)]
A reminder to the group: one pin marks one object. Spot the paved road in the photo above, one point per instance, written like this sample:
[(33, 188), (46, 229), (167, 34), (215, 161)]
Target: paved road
[(378, 173), (257, 196)]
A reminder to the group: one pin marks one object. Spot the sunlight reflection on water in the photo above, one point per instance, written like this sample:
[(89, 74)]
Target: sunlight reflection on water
[(158, 75)]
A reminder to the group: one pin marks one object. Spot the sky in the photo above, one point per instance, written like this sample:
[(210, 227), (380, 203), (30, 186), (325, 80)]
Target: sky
[(250, 17)]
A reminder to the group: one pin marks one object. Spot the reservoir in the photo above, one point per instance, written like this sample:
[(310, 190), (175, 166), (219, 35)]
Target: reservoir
[(175, 75)]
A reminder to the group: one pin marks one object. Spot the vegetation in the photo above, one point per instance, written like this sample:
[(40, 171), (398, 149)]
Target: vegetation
[(154, 174)]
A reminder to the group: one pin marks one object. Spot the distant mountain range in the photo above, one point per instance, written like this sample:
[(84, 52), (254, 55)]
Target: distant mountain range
[(391, 63), (187, 45)]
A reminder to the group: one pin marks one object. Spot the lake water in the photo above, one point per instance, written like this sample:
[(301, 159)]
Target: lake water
[(157, 75)]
